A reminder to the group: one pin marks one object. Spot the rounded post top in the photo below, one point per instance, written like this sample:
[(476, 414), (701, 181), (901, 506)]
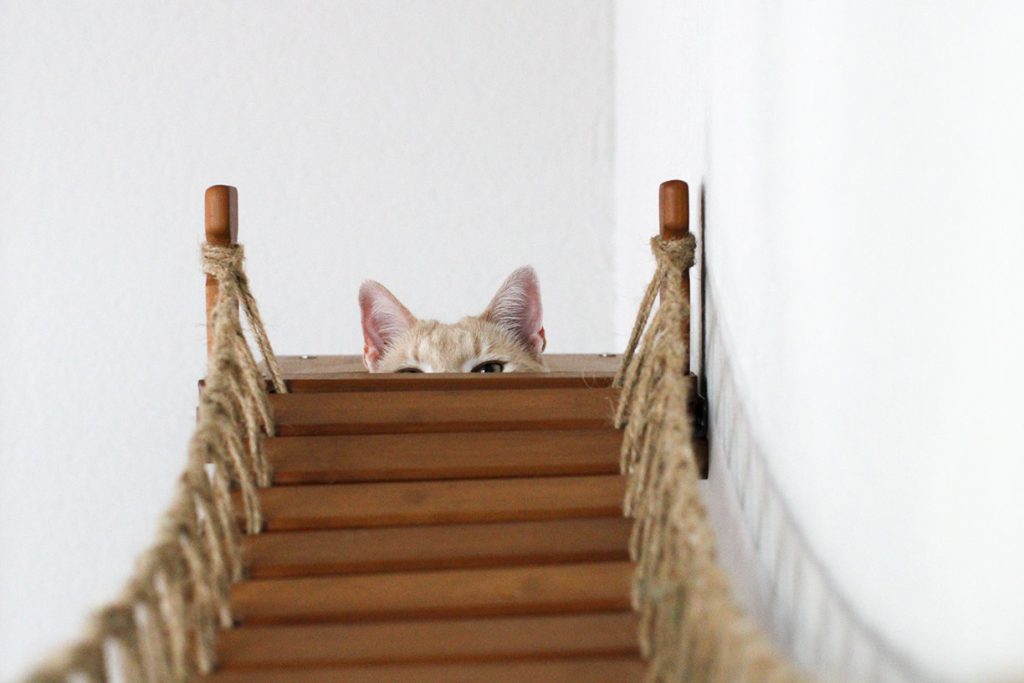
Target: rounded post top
[(221, 215), (674, 207)]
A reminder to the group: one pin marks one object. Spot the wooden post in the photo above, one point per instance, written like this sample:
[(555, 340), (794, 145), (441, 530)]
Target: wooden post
[(221, 231), (674, 209)]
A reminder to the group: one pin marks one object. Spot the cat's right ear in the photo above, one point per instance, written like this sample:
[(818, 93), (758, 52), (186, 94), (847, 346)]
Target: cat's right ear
[(384, 320), (516, 307)]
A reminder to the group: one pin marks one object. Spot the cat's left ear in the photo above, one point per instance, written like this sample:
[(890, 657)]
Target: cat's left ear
[(384, 320), (516, 307)]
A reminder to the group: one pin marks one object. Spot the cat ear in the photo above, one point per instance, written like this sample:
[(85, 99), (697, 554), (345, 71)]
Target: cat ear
[(384, 319), (516, 307)]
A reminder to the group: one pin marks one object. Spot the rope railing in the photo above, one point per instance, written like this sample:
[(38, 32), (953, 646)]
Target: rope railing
[(691, 628), (163, 625)]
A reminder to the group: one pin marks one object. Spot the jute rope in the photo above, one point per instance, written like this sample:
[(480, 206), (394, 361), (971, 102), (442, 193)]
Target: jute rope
[(225, 264), (691, 629), (163, 626)]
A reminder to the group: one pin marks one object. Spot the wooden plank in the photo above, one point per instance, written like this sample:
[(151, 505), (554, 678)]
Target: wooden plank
[(391, 549), (545, 589), (328, 366), (442, 411), (459, 455), (444, 640), (599, 670), (341, 506), (463, 381)]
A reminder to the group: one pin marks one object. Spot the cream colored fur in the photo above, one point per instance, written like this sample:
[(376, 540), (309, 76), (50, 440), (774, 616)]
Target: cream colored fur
[(509, 332), (436, 347)]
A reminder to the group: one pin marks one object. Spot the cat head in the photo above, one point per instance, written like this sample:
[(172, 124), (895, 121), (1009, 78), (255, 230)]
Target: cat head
[(507, 337)]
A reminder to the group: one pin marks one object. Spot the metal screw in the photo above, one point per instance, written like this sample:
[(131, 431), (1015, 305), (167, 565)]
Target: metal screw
[(307, 357), (607, 355)]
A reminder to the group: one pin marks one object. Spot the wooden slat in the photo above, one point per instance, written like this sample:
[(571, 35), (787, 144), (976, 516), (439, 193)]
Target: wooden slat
[(463, 381), (388, 457), (442, 640), (340, 506), (547, 589), (603, 670), (333, 366), (345, 551), (442, 411)]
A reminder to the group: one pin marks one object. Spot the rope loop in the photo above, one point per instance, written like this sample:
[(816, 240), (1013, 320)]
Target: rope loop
[(223, 263), (676, 254)]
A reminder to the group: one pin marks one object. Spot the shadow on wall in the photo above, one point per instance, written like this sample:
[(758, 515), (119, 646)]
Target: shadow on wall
[(774, 573)]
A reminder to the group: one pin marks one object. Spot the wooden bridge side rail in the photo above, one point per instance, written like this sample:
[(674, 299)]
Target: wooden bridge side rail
[(221, 231)]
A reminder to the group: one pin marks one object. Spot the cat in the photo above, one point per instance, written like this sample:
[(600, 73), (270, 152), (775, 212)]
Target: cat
[(507, 337)]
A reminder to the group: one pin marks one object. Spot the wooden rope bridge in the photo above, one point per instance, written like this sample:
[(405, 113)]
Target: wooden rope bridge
[(336, 525), (437, 527)]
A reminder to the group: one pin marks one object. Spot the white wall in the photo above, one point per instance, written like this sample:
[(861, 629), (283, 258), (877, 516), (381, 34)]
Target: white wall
[(659, 135), (863, 163), (434, 146)]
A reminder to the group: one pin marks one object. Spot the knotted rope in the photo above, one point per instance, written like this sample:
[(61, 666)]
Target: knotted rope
[(225, 264), (162, 628), (691, 629)]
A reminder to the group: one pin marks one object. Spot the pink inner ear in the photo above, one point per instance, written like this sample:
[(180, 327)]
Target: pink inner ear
[(517, 308), (540, 341), (384, 319), (371, 357)]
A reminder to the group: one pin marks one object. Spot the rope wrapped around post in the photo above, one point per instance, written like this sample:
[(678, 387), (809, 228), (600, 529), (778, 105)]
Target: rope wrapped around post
[(225, 264), (691, 629), (163, 626)]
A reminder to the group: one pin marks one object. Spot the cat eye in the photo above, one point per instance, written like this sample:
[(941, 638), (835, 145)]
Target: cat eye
[(490, 366), (410, 370)]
